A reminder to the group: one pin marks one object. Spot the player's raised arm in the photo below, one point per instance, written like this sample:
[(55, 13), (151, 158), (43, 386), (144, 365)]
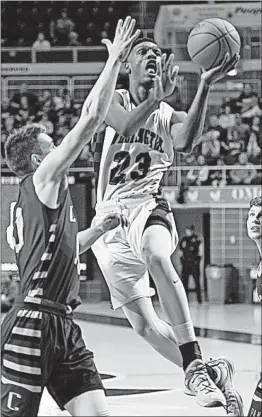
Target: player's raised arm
[(187, 135), (128, 122), (94, 110)]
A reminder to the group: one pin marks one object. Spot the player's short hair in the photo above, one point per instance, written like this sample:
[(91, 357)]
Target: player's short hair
[(142, 40), (256, 202), (19, 147)]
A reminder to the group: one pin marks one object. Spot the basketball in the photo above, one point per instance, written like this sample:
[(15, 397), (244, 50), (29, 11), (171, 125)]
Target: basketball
[(210, 40)]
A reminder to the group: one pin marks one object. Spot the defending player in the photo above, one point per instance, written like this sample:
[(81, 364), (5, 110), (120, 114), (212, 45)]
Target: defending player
[(138, 148), (254, 230), (41, 344)]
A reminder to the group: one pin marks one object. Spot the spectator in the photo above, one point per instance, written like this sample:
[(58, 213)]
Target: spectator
[(198, 176), (9, 291), (236, 145), (227, 118), (216, 178), (244, 97), (251, 109), (88, 41), (15, 101), (8, 125), (210, 146), (6, 109), (214, 127), (48, 125), (242, 176), (41, 44), (104, 34), (253, 149), (242, 129), (61, 29), (45, 100), (62, 100), (73, 39)]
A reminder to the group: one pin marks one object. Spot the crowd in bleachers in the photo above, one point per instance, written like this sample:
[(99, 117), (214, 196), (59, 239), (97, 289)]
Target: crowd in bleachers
[(44, 24), (58, 112), (231, 137)]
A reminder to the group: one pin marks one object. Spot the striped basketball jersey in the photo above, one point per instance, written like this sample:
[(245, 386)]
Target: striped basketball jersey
[(45, 243), (134, 166)]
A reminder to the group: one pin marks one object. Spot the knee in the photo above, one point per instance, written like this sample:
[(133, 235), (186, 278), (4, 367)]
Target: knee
[(154, 258), (145, 329)]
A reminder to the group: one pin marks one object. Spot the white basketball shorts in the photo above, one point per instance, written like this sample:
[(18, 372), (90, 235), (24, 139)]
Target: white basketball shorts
[(118, 252)]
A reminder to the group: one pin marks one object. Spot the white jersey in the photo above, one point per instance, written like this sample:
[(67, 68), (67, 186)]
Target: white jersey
[(134, 166)]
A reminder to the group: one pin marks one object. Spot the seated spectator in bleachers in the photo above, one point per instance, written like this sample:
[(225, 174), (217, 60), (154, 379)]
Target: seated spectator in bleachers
[(210, 146), (15, 101), (256, 127), (242, 176), (213, 126), (236, 145), (6, 109), (9, 291), (242, 128), (45, 99), (47, 123), (41, 44), (198, 176), (73, 39), (244, 96), (216, 178), (62, 100), (251, 109), (227, 118), (8, 125), (253, 149), (61, 28)]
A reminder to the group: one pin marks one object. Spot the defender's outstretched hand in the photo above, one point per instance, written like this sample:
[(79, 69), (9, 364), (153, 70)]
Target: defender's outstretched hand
[(123, 39), (165, 79), (215, 74), (111, 221)]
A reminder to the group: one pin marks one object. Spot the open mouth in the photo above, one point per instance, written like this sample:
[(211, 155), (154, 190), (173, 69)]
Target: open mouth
[(255, 228), (151, 67)]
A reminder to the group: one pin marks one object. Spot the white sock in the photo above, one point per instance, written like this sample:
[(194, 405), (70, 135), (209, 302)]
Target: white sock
[(184, 333)]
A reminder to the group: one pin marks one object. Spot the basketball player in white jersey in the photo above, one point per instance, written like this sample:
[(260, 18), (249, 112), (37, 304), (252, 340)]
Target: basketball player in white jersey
[(142, 134), (254, 230)]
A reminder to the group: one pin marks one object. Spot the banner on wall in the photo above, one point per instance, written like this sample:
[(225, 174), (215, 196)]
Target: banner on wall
[(235, 196), (185, 17), (52, 68)]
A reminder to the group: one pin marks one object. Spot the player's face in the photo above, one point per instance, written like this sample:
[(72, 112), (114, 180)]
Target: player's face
[(46, 143), (142, 61), (254, 223)]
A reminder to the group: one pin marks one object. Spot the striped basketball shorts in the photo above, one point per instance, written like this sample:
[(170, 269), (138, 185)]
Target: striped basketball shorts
[(41, 349)]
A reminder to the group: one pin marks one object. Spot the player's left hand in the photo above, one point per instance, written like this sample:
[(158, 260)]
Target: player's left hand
[(217, 73), (113, 220)]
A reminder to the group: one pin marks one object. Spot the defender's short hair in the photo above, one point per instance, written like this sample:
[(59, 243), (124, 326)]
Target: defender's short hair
[(19, 147), (142, 40), (256, 202)]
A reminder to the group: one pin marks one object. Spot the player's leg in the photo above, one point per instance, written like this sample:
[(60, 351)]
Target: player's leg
[(175, 305), (91, 403), (75, 383), (22, 380), (158, 333)]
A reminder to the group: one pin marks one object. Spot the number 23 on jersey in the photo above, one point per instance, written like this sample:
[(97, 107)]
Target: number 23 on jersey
[(122, 162)]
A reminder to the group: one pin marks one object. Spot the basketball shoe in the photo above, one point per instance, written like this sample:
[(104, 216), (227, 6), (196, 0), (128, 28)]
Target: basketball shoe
[(199, 384), (221, 371)]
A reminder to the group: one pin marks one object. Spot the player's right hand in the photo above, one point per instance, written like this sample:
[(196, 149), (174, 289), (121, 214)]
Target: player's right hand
[(123, 39), (165, 79)]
